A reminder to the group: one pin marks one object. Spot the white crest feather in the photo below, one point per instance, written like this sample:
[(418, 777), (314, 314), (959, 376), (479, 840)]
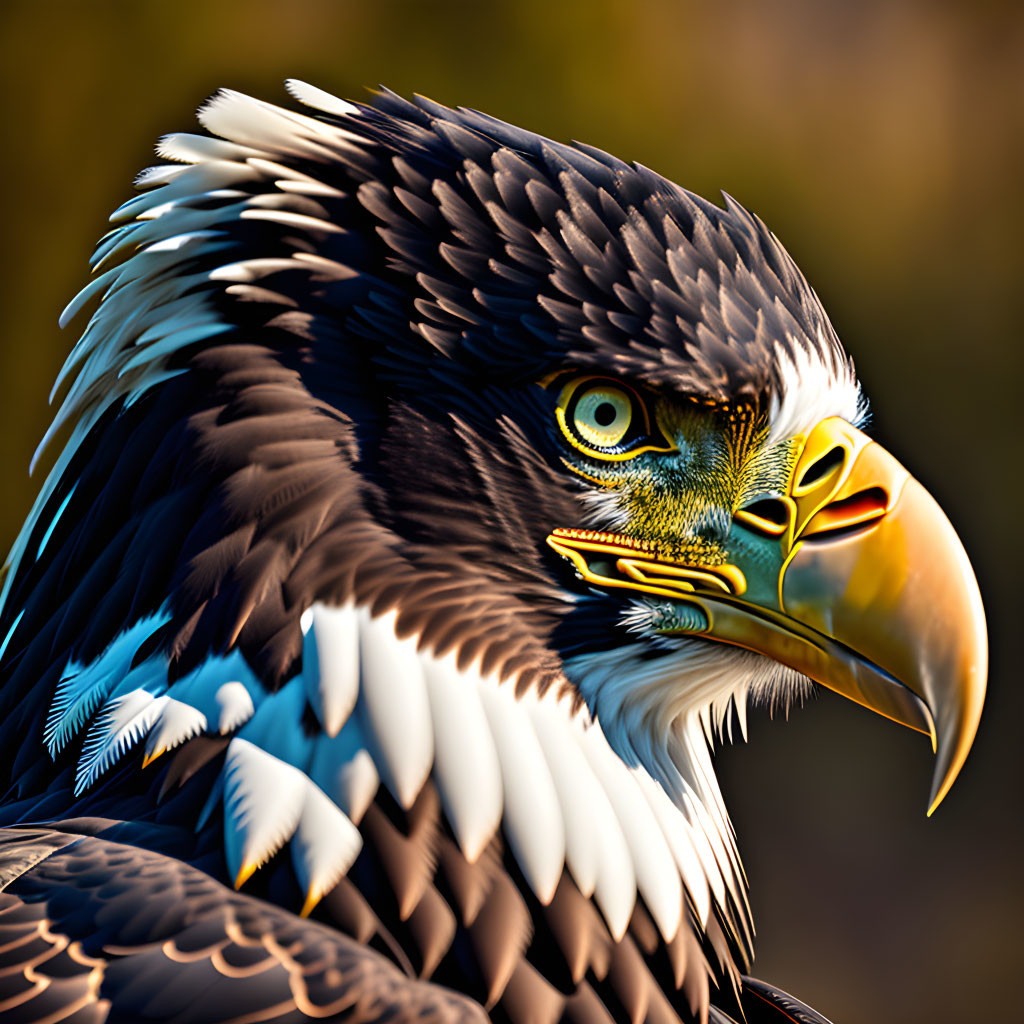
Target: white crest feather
[(812, 389), (674, 828), (579, 793), (311, 96)]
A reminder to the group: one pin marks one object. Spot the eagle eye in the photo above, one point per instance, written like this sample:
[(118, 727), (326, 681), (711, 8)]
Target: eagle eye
[(606, 419), (602, 416)]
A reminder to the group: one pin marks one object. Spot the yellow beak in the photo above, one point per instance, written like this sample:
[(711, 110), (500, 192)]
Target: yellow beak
[(855, 578)]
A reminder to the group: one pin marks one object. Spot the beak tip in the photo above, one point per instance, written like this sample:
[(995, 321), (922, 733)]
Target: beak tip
[(956, 729), (951, 758), (942, 782), (935, 799)]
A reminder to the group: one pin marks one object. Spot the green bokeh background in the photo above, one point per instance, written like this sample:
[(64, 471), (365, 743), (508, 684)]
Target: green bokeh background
[(884, 144)]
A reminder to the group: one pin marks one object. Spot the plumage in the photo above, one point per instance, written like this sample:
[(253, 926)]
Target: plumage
[(335, 596)]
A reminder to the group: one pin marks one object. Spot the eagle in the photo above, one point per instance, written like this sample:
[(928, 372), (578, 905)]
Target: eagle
[(430, 499)]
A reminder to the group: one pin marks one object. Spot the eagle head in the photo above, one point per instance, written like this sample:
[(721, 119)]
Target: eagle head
[(410, 449)]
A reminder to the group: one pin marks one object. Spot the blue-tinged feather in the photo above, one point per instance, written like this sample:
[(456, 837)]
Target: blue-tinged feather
[(82, 687), (53, 524)]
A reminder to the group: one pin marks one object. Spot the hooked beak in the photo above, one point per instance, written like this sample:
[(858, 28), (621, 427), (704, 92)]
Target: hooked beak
[(854, 578)]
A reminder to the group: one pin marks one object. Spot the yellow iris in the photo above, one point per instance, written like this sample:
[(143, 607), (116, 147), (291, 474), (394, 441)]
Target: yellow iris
[(602, 416)]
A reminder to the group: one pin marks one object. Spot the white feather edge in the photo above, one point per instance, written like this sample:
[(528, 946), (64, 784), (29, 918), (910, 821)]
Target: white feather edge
[(344, 769), (532, 815), (814, 384), (82, 687), (247, 121), (263, 799), (674, 828), (394, 708), (579, 796), (324, 846), (657, 876), (311, 96), (466, 764), (330, 664), (176, 723)]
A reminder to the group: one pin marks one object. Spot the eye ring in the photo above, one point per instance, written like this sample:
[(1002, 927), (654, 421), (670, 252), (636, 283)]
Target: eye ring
[(606, 419)]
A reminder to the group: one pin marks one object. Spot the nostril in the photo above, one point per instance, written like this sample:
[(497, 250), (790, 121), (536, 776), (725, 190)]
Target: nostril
[(863, 504), (842, 517), (820, 468), (771, 509), (766, 515)]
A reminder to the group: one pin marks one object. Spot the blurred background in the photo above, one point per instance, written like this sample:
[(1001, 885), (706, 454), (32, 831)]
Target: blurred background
[(883, 142)]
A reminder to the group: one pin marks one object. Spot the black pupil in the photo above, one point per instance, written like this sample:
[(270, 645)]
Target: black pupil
[(604, 414)]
